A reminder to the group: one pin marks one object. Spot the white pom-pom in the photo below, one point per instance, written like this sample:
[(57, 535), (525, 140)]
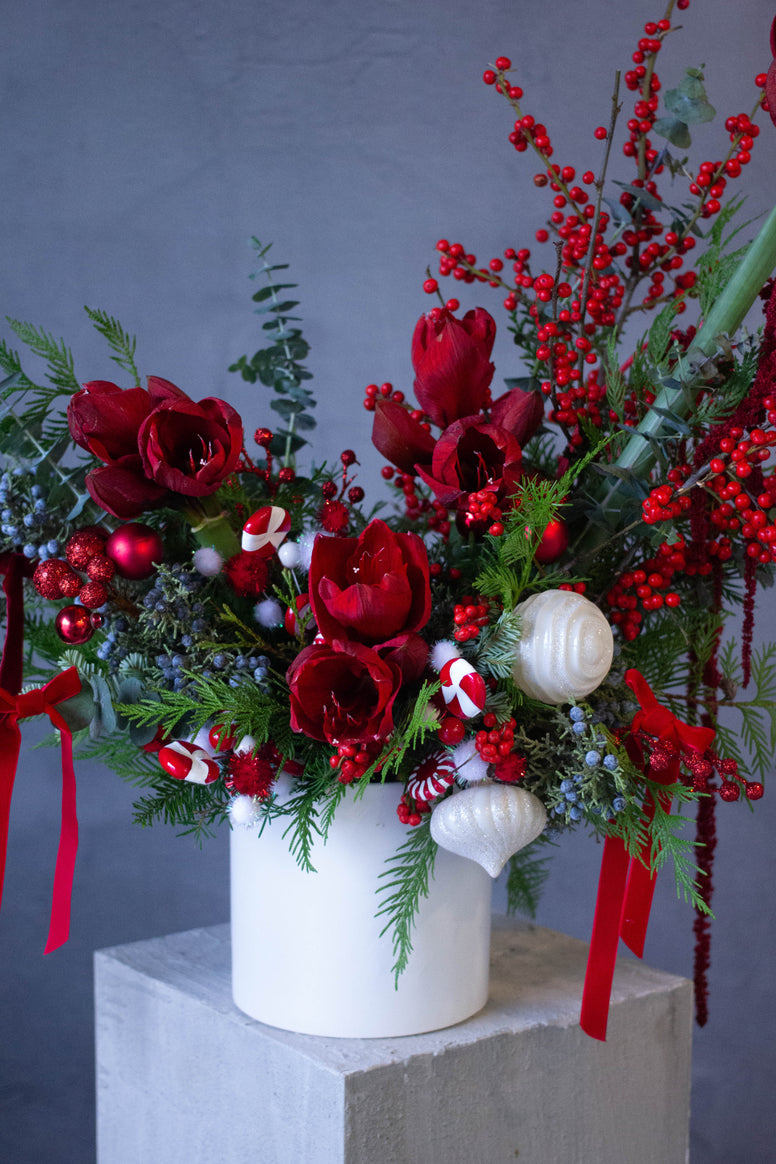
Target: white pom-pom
[(244, 811), (442, 652), (207, 562), (289, 555), (268, 613), (471, 768), (306, 543)]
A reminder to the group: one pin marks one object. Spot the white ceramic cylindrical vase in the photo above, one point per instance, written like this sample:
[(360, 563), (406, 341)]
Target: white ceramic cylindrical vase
[(307, 954)]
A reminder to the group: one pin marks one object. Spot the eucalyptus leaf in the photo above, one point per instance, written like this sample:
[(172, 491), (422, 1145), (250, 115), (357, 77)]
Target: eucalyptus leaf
[(674, 130), (689, 101)]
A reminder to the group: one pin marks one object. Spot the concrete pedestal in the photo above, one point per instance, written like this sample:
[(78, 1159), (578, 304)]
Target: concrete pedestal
[(183, 1076)]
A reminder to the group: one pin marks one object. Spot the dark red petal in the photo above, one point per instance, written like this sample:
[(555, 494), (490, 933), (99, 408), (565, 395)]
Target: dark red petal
[(123, 490), (519, 412), (770, 91), (104, 419), (401, 440)]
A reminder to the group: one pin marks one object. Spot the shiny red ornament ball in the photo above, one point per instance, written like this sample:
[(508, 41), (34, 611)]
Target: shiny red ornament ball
[(555, 540), (136, 549), (84, 545), (74, 625), (48, 576), (451, 730)]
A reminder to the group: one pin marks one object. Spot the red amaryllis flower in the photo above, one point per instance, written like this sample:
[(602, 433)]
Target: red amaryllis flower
[(191, 447), (451, 358), (470, 456), (342, 693), (105, 419), (372, 588)]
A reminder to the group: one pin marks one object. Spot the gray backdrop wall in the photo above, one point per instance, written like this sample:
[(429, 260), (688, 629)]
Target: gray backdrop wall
[(141, 145)]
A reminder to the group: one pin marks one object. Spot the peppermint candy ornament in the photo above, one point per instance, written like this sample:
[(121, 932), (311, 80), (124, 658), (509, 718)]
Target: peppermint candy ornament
[(463, 689), (185, 761), (431, 778), (265, 529)]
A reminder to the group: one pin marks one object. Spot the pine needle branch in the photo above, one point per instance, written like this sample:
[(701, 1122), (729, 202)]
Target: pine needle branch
[(408, 876)]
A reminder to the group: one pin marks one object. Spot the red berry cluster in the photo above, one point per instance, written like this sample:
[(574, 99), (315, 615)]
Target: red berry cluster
[(353, 760), (483, 512), (494, 741), (387, 392), (85, 551), (469, 617), (434, 512), (702, 767), (647, 588), (411, 812)]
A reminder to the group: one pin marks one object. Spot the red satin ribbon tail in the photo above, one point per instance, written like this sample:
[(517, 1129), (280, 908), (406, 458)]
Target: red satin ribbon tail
[(604, 939), (641, 885), (10, 744), (64, 872)]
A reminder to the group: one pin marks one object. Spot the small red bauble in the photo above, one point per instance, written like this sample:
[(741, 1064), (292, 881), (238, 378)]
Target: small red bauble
[(48, 576), (93, 594), (101, 568), (136, 549), (74, 625), (84, 545), (451, 730), (555, 540), (70, 584)]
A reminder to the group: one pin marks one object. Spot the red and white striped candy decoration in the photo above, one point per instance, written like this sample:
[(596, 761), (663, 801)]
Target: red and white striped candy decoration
[(186, 761), (463, 689), (431, 778), (265, 529)]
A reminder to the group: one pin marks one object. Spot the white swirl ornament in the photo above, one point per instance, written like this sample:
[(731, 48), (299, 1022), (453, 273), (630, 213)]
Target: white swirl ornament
[(488, 823), (565, 649)]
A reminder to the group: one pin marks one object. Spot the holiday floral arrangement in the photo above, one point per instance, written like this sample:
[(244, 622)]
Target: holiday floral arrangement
[(531, 641)]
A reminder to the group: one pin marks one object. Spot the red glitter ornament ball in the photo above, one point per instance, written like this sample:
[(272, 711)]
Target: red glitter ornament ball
[(93, 594), (84, 545), (48, 576), (74, 625), (136, 549), (101, 568)]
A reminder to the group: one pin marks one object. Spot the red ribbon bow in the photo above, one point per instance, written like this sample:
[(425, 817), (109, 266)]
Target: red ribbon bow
[(626, 884), (43, 701)]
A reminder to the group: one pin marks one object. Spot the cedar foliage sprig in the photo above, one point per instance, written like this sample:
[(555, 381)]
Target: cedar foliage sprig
[(402, 886)]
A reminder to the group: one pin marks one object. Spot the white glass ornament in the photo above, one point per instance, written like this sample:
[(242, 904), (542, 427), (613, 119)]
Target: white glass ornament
[(488, 823), (565, 648), (307, 954)]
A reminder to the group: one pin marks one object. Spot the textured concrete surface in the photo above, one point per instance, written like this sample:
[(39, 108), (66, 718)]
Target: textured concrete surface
[(183, 1076)]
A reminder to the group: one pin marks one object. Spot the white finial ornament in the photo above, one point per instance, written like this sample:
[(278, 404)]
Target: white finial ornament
[(565, 648), (488, 823)]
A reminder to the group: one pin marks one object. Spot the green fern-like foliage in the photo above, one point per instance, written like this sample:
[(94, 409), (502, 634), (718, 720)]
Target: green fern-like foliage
[(527, 873)]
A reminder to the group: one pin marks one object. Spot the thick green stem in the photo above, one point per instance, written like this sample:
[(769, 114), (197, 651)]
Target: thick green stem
[(725, 317), (211, 527)]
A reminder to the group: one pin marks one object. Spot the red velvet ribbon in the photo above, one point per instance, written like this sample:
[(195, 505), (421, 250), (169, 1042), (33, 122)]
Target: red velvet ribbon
[(16, 568), (13, 707), (626, 884)]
